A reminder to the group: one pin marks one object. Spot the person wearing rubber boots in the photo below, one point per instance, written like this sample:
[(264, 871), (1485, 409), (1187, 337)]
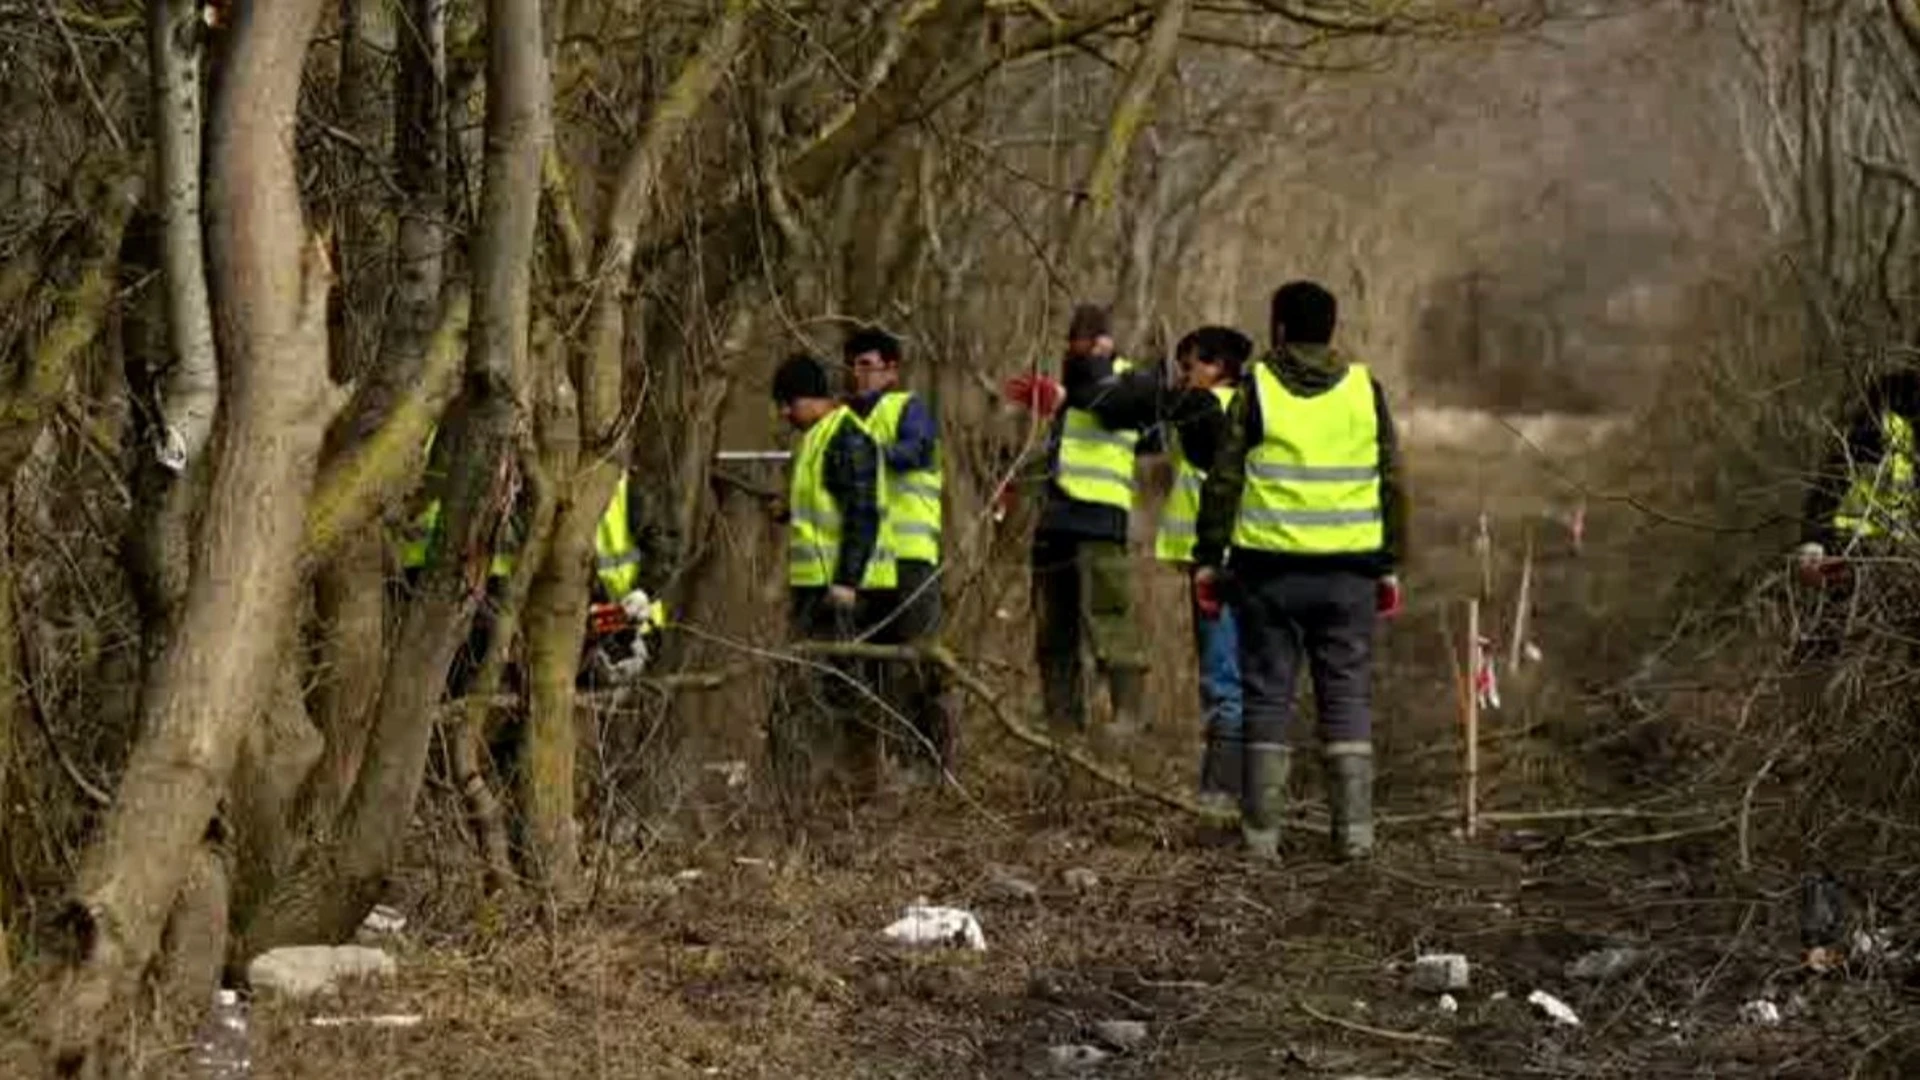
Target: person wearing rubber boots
[(908, 438), (1082, 576), (1302, 525), (1210, 362)]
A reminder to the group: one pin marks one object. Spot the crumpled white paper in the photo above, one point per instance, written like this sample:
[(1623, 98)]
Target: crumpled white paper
[(923, 925)]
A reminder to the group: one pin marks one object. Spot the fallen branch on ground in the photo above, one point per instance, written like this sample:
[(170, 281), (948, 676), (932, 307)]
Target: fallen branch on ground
[(1376, 1032), (943, 657)]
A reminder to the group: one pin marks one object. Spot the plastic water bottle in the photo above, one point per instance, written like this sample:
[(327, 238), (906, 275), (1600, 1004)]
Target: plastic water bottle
[(221, 1051)]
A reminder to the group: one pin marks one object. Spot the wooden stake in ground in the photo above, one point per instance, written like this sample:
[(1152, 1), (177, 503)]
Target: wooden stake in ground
[(1520, 606), (1483, 549), (1472, 807)]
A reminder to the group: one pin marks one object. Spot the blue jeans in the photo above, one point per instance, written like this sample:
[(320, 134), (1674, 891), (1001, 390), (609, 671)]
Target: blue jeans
[(1217, 643)]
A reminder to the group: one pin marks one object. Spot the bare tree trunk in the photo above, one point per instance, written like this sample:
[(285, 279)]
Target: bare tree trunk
[(366, 27), (174, 34), (556, 624), (9, 706), (332, 889), (194, 944), (352, 584), (270, 285)]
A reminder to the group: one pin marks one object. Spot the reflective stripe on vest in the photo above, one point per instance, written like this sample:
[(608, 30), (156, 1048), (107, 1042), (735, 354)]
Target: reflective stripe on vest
[(913, 502), (616, 558), (1095, 465), (1313, 483), (1180, 513), (813, 531), (1882, 500)]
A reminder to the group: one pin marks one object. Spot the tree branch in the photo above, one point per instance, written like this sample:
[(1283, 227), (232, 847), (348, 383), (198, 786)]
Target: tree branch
[(382, 467), (174, 34)]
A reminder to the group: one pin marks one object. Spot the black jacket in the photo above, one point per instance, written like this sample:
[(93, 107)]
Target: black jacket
[(852, 478)]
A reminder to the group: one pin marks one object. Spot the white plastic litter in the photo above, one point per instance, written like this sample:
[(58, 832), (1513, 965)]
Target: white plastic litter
[(922, 925), (1121, 1034), (1076, 1056), (300, 971), (388, 1020), (1762, 1012), (1554, 1007), (220, 1050), (1448, 1004), (1873, 945), (384, 920), (733, 773), (1437, 973), (1605, 964)]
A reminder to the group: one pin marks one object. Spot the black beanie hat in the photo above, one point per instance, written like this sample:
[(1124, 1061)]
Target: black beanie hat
[(801, 376)]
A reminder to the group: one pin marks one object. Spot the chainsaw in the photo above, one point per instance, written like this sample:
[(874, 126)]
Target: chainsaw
[(617, 648)]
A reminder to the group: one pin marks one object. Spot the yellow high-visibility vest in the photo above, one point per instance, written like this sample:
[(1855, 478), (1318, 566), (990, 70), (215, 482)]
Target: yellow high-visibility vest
[(417, 541), (1313, 483), (1095, 465), (616, 556), (813, 533), (1881, 500), (913, 498), (1180, 514)]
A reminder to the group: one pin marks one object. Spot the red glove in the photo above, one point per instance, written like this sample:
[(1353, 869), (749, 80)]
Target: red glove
[(1387, 600), (1206, 594), (1040, 394)]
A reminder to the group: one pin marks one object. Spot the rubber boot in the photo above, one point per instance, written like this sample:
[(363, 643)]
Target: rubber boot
[(1127, 688), (1263, 798), (1350, 799), (1220, 772)]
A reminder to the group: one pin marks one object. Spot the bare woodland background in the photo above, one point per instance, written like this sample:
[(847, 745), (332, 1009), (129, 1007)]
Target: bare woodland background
[(583, 232)]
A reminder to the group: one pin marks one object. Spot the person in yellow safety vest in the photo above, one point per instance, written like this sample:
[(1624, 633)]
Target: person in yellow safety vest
[(1210, 361), (1864, 498), (1082, 576), (1302, 524), (1081, 573), (840, 565), (617, 580), (626, 651), (417, 541), (908, 438)]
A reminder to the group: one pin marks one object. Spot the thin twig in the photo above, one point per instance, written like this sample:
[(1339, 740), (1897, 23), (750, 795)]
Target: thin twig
[(1746, 813), (1656, 838), (1376, 1032), (86, 80)]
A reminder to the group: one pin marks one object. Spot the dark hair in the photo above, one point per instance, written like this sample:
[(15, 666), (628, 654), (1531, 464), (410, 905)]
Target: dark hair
[(871, 339), (1221, 345), (801, 376), (1089, 321), (1304, 312)]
